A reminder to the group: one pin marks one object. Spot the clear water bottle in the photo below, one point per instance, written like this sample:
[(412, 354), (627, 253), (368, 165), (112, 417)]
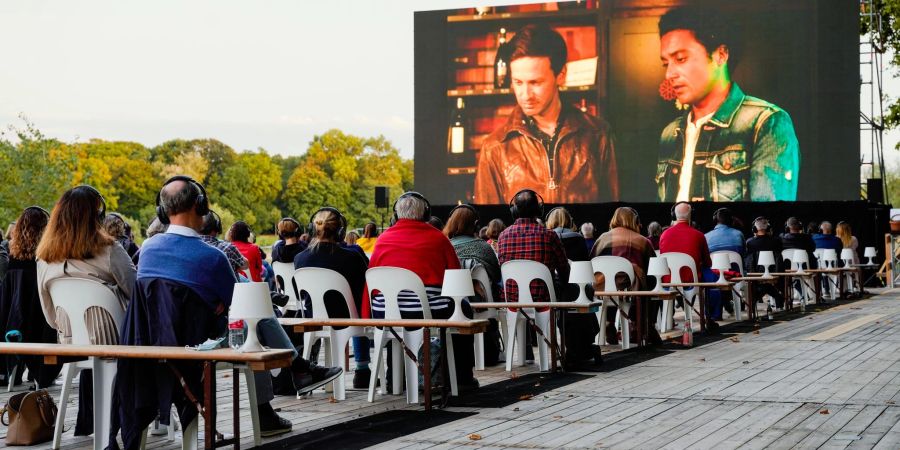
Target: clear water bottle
[(236, 334)]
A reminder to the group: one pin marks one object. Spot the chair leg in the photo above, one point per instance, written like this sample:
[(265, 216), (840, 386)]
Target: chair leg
[(451, 366), (250, 380), (624, 326), (338, 347), (601, 316), (414, 341), (143, 444), (397, 357), (378, 364), (501, 319), (69, 372), (542, 320), (190, 437), (104, 371), (511, 329), (330, 360), (307, 345), (479, 351), (12, 378)]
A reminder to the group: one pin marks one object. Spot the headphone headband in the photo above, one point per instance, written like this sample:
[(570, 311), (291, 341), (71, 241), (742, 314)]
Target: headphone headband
[(514, 209), (676, 205), (86, 187), (470, 208), (426, 213), (311, 227), (47, 213), (201, 203)]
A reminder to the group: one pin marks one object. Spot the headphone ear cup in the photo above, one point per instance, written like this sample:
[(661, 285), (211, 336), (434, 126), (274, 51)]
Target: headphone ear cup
[(161, 215), (202, 204)]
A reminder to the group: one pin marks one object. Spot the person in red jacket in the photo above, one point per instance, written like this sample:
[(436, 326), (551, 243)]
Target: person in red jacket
[(413, 244), (239, 235)]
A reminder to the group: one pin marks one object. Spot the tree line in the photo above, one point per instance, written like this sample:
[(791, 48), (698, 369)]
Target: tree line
[(338, 169)]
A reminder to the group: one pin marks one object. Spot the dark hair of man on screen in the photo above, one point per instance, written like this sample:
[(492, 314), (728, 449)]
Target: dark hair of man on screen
[(539, 41), (710, 28)]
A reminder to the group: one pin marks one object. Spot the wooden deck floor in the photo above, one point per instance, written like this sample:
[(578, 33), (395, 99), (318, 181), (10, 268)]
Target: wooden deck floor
[(828, 379)]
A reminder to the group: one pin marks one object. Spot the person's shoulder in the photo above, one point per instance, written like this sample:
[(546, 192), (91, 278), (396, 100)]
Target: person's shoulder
[(583, 120), (495, 140)]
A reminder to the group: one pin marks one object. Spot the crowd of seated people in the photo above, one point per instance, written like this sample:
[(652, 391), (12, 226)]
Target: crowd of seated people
[(183, 257)]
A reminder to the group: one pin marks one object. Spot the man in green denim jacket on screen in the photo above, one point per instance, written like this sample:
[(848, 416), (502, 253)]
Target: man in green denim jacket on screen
[(729, 146)]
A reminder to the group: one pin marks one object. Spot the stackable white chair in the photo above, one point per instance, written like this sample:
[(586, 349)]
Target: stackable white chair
[(523, 272), (610, 266), (480, 276), (75, 296), (735, 259), (848, 258), (316, 282), (676, 261), (390, 281), (284, 273), (829, 260)]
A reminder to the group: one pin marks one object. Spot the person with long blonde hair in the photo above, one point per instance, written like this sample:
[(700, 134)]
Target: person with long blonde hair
[(845, 234)]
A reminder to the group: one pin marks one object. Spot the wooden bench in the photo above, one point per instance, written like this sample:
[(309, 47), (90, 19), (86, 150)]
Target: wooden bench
[(301, 325), (271, 359)]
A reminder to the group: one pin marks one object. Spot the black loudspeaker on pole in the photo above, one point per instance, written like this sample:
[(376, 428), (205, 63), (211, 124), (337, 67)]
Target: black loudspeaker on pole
[(381, 197), (875, 190)]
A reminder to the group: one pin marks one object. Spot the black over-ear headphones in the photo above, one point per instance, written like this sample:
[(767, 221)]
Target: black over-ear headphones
[(311, 228), (416, 195), (202, 202), (675, 206), (763, 220), (470, 208), (102, 213), (37, 208), (284, 235), (514, 209), (217, 222)]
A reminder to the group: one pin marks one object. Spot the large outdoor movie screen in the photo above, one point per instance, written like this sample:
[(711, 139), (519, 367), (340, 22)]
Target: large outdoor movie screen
[(638, 100)]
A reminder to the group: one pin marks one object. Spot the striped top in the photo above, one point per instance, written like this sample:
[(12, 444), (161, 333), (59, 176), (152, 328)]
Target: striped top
[(409, 301)]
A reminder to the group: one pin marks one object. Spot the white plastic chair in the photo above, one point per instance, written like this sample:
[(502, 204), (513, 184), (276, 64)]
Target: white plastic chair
[(75, 296), (390, 281), (480, 275), (283, 277), (316, 282), (610, 266), (676, 261), (523, 272), (735, 259), (828, 260)]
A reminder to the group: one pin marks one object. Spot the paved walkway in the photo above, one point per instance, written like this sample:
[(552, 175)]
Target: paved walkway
[(825, 380)]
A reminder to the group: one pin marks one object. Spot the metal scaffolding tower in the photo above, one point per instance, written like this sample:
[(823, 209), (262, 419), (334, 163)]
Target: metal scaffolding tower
[(871, 114)]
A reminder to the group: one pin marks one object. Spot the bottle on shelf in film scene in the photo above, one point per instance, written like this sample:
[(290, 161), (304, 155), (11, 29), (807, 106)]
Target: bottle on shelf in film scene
[(457, 135), (501, 63)]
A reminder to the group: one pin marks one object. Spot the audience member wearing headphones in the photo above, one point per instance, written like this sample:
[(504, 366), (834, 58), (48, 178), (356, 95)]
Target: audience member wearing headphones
[(369, 237), (21, 317), (209, 233), (826, 238), (795, 238), (682, 237), (289, 245), (587, 230), (74, 244), (624, 239), (724, 236), (763, 240), (239, 235), (413, 244), (561, 222), (326, 228), (116, 226)]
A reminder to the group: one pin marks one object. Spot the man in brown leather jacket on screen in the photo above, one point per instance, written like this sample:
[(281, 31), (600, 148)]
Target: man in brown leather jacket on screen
[(560, 152)]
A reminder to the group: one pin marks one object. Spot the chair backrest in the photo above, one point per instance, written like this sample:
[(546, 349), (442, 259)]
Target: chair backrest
[(284, 273), (610, 266), (818, 253), (480, 275), (676, 261), (316, 281), (829, 257), (523, 272), (390, 281), (76, 295), (734, 258), (797, 257)]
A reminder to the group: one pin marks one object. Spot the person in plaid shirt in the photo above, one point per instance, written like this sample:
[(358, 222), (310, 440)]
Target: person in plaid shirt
[(527, 239)]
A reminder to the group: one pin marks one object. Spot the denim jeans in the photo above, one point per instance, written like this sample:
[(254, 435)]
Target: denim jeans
[(272, 335)]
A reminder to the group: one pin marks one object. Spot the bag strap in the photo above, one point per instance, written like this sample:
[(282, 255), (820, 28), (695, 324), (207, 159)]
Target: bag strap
[(46, 406), (3, 418)]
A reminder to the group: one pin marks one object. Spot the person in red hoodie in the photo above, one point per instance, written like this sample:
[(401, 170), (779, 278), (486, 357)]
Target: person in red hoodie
[(239, 235), (413, 244)]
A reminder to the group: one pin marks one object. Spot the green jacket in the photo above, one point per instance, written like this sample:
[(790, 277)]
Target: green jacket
[(748, 148)]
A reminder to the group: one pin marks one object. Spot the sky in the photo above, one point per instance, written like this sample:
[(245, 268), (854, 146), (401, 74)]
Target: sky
[(254, 74)]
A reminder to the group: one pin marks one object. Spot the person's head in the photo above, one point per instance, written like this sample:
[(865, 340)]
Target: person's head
[(696, 50), (654, 229), (114, 224), (370, 230), (625, 217), (682, 212), (157, 227), (723, 216), (327, 225), (288, 229), (494, 228), (182, 201), (537, 68), (793, 225), (351, 238), (845, 233), (463, 221), (826, 227), (75, 229), (304, 237), (761, 226), (212, 224), (812, 227), (412, 205), (482, 233), (436, 222), (587, 230), (559, 217), (29, 229), (239, 232), (526, 204)]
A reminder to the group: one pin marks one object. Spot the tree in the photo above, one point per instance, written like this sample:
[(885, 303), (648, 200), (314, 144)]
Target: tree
[(888, 40), (248, 188), (128, 183)]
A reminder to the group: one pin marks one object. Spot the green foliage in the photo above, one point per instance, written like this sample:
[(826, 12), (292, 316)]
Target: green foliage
[(887, 12)]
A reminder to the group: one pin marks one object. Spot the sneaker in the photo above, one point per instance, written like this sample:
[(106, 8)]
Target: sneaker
[(316, 377), (270, 423), (361, 378)]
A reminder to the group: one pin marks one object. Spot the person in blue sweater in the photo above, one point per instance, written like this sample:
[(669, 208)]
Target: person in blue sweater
[(827, 239), (724, 236)]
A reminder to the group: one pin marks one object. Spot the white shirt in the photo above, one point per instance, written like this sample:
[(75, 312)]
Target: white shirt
[(691, 135), (182, 230)]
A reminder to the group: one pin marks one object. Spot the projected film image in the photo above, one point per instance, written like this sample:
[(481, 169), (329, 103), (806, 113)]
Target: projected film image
[(590, 102)]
